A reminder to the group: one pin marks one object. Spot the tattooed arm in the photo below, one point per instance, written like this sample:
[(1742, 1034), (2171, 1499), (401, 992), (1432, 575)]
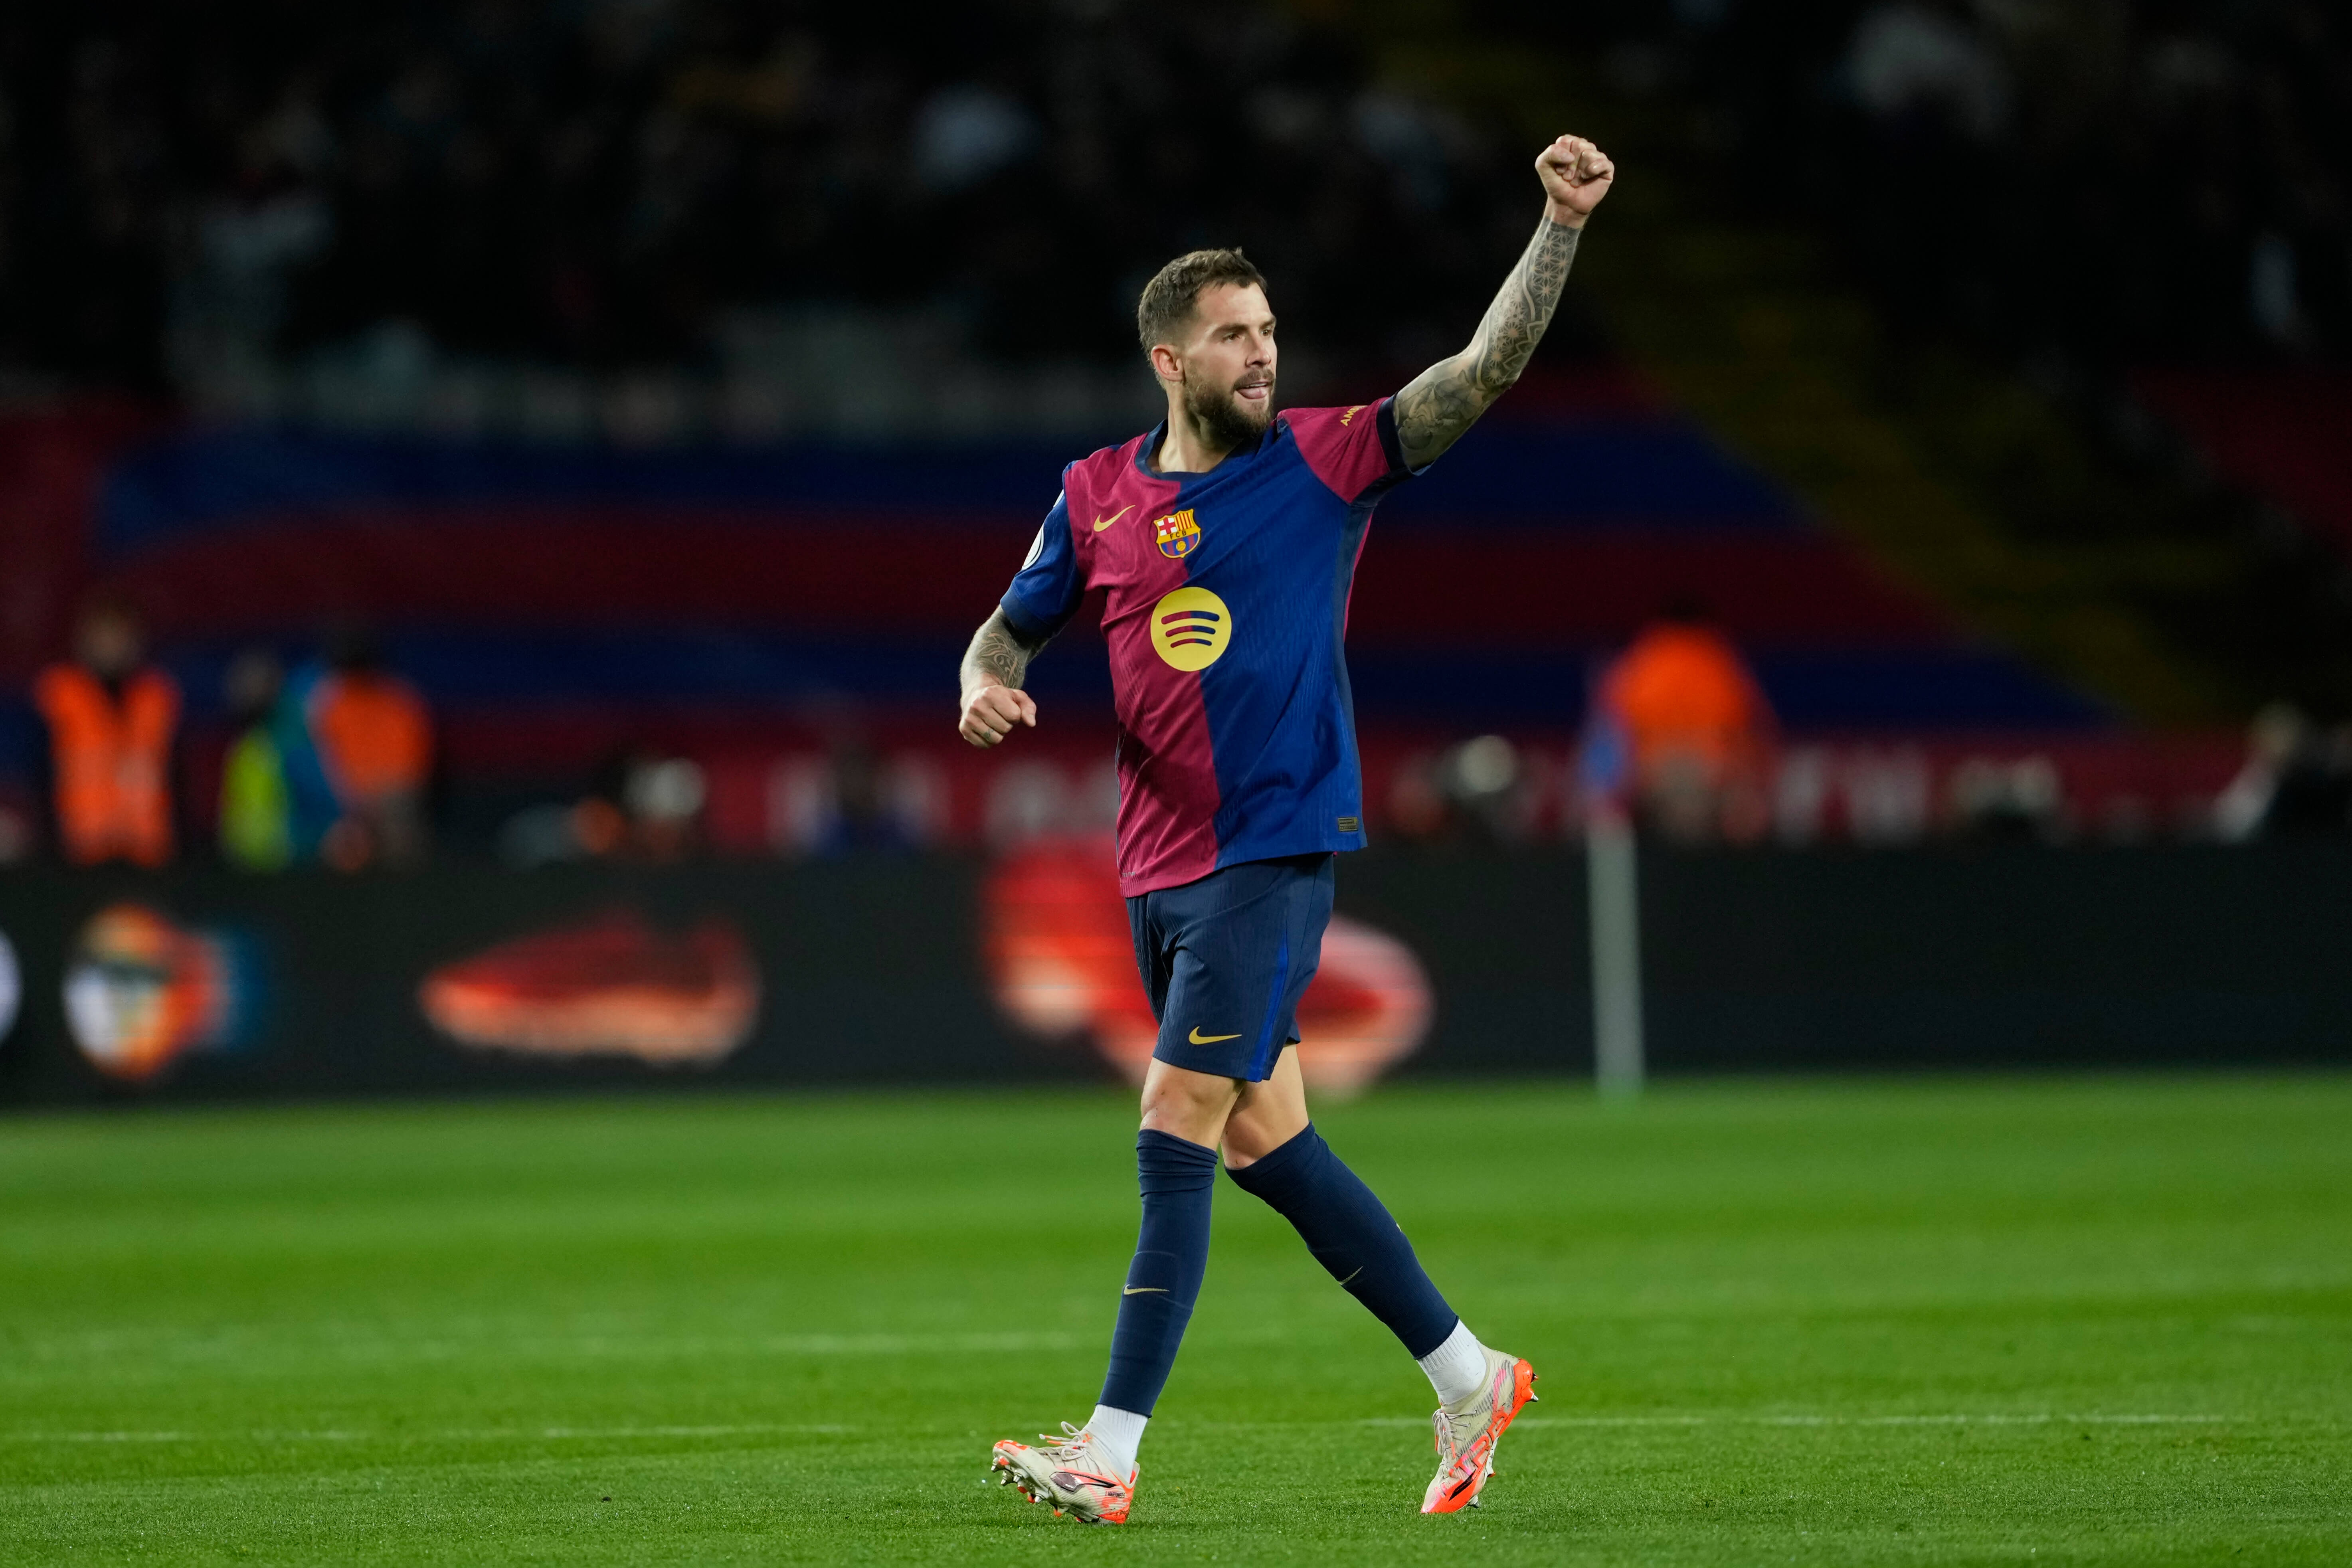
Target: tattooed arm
[(1446, 399), (994, 666)]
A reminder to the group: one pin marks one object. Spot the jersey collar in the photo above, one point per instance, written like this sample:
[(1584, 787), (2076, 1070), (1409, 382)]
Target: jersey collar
[(1159, 433)]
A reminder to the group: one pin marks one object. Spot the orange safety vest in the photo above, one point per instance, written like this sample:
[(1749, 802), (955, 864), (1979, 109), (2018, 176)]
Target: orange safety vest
[(113, 759), (1681, 691), (374, 737)]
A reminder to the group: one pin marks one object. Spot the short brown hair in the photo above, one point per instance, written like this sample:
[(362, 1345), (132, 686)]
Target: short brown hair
[(1169, 298)]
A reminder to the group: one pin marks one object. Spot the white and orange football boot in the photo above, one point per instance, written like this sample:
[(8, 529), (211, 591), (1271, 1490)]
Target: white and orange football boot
[(1078, 1475), (1468, 1431)]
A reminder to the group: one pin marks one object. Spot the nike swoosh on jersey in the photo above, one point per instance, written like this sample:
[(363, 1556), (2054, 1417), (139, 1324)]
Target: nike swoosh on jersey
[(1142, 1290), (1199, 1039), (1103, 522)]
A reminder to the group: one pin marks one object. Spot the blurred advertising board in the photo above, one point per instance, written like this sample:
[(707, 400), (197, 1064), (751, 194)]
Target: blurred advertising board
[(918, 969)]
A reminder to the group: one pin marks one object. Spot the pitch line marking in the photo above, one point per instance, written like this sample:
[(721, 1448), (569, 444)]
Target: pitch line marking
[(620, 1343), (462, 1434), (795, 1428), (1952, 1419)]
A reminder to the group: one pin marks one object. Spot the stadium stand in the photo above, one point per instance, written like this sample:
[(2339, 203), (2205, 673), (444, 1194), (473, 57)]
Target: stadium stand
[(744, 606), (1948, 367), (2284, 434), (728, 458), (2227, 120), (225, 187)]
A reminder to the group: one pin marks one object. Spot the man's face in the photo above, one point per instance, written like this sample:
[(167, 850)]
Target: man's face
[(106, 643), (1226, 363)]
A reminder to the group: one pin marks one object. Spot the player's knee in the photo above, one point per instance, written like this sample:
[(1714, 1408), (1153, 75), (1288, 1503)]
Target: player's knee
[(1193, 1108), (1192, 1120)]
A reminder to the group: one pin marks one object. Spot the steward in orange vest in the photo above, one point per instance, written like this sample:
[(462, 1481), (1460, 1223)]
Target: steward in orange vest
[(1695, 729), (374, 739), (111, 725)]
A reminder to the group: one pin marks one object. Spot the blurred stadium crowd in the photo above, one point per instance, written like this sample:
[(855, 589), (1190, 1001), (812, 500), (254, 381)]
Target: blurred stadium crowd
[(599, 184), (2161, 179), (361, 269)]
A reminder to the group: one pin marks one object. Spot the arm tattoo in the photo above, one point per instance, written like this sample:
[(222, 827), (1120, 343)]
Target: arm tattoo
[(999, 655), (1445, 399)]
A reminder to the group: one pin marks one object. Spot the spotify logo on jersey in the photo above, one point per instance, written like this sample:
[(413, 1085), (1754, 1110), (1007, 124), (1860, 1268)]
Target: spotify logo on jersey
[(1191, 628)]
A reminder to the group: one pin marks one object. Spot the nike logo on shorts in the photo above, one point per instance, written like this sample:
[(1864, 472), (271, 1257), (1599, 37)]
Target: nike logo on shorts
[(1199, 1039)]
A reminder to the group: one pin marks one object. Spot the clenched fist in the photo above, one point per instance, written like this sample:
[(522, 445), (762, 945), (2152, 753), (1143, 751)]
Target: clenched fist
[(989, 712), (1575, 176)]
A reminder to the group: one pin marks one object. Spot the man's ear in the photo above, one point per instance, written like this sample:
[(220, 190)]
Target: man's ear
[(1165, 364)]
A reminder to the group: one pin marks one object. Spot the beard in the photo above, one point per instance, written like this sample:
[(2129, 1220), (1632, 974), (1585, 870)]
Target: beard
[(1224, 418)]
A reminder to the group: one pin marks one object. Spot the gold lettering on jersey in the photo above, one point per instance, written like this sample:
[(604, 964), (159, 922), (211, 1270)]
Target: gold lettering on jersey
[(1351, 413)]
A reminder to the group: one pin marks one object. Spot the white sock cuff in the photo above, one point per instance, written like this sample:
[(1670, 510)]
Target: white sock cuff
[(1457, 1368), (1121, 1431)]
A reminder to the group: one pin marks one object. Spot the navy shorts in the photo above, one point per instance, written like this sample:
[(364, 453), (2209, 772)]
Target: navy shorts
[(1225, 959)]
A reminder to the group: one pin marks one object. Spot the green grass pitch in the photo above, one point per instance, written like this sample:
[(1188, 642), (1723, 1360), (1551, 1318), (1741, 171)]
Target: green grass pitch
[(2001, 1320)]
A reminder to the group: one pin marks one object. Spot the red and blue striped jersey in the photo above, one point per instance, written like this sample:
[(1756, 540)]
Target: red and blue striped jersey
[(1225, 606)]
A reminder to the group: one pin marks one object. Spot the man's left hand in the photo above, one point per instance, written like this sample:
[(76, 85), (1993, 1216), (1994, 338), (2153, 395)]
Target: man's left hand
[(1575, 176)]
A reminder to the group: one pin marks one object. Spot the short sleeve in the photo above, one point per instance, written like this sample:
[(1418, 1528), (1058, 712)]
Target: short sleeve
[(1045, 591), (1354, 451)]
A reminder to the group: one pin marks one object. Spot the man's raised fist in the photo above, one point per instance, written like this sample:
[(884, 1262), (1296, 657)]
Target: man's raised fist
[(1575, 176)]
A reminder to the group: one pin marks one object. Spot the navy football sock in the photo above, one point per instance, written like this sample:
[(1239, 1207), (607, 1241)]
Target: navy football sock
[(1171, 1254), (1352, 1236)]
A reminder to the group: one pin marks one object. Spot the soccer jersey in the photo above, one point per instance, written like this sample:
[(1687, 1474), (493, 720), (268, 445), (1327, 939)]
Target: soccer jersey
[(1225, 602)]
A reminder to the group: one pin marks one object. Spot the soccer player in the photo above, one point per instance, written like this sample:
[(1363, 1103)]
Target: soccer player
[(1226, 540)]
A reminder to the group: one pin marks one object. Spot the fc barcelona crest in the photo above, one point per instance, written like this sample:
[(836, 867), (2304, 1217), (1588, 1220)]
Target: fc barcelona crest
[(1178, 534)]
